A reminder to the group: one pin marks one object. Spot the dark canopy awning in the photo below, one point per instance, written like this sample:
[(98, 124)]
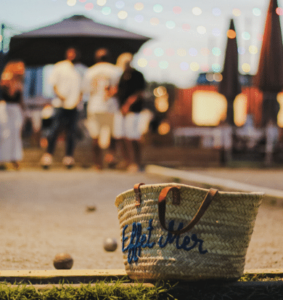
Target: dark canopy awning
[(47, 45)]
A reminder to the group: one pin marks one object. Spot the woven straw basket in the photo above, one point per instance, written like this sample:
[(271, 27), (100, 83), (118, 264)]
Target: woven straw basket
[(179, 232)]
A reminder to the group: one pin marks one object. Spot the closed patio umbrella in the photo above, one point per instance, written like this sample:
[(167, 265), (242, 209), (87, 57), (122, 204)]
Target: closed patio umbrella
[(269, 78), (230, 85)]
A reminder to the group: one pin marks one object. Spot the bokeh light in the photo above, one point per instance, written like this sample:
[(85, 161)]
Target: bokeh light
[(236, 12), (246, 67), (256, 12), (170, 24), (82, 1), (246, 36), (253, 49), (193, 52), (101, 2), (71, 2), (260, 37), (164, 128), (209, 77), (231, 34), (216, 68), (160, 91), (153, 63), (170, 52), (186, 27), (139, 6), (177, 10), (217, 77), (154, 21), (194, 66), (205, 68), (181, 52), (122, 15), (147, 51), (279, 11), (158, 52), (241, 50), (216, 51), (157, 8), (216, 31), (201, 29), (204, 51), (1, 38), (184, 66), (196, 11), (106, 10), (216, 11), (120, 4), (163, 64), (139, 18), (89, 6), (142, 62)]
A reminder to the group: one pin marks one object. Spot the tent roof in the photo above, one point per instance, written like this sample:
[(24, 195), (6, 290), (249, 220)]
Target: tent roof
[(82, 26)]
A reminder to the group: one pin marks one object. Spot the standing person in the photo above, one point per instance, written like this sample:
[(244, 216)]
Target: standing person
[(66, 83), (100, 82), (126, 125), (11, 119)]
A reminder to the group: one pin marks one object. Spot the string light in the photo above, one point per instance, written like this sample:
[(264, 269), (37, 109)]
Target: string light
[(246, 68), (196, 11), (120, 4), (170, 24), (139, 18), (158, 52), (122, 15), (177, 10), (101, 2), (163, 64), (89, 6), (71, 2), (193, 52), (216, 11), (106, 10), (157, 8), (201, 29), (139, 6), (142, 62), (186, 27), (154, 21), (194, 66), (184, 66)]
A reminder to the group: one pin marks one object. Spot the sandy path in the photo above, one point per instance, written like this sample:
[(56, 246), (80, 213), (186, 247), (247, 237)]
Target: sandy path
[(44, 213)]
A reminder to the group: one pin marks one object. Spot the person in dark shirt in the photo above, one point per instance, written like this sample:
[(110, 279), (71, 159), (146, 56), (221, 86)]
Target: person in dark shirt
[(126, 121)]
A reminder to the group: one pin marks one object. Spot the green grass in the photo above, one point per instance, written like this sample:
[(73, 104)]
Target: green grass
[(101, 290)]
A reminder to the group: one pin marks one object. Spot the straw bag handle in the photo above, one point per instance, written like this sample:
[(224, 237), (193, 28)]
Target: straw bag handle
[(176, 200)]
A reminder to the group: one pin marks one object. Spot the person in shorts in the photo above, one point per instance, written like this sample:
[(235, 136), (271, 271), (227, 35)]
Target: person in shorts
[(100, 82), (66, 82)]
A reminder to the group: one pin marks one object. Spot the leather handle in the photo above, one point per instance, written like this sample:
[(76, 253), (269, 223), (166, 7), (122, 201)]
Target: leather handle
[(138, 193), (202, 209)]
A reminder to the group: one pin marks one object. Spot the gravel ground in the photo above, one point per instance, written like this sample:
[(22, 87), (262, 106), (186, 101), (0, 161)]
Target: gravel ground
[(43, 213)]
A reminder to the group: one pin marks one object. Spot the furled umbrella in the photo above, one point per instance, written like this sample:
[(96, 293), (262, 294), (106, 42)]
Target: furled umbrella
[(269, 78), (47, 45), (230, 85)]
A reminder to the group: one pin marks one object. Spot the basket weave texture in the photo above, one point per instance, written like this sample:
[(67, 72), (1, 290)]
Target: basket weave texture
[(214, 249)]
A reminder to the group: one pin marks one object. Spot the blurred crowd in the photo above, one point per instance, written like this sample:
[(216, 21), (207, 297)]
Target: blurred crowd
[(115, 114)]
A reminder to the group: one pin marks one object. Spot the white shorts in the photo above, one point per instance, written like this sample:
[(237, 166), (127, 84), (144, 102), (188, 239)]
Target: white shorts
[(131, 126), (96, 121)]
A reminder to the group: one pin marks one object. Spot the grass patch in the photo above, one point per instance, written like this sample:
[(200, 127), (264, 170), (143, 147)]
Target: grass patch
[(101, 290)]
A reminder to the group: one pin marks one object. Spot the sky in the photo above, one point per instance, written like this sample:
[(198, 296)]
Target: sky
[(187, 36)]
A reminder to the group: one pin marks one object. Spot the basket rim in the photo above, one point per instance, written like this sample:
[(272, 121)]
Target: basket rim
[(121, 197)]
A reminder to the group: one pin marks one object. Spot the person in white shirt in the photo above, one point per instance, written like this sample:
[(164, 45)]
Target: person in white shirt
[(100, 82), (66, 83)]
